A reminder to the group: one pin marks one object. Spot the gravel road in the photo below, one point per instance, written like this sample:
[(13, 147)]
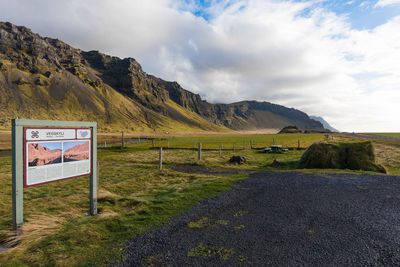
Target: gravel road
[(283, 219), (374, 137)]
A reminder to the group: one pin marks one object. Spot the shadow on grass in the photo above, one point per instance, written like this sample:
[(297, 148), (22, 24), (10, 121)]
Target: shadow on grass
[(283, 165)]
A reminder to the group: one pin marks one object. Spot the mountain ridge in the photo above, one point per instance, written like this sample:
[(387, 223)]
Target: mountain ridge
[(45, 78), (324, 123)]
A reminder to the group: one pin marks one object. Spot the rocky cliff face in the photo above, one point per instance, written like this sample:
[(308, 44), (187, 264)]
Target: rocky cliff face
[(44, 78), (324, 123), (243, 115)]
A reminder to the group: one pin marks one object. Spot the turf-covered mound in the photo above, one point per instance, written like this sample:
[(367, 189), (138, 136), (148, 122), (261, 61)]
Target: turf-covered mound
[(344, 155), (290, 129)]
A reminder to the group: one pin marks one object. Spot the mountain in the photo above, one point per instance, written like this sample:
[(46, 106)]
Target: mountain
[(45, 78), (324, 123), (39, 155), (77, 152)]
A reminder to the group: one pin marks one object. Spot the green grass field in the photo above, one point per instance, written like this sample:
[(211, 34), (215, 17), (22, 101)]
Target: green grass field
[(134, 196)]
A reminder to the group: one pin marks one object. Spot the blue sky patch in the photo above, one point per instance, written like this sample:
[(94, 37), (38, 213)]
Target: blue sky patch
[(362, 15)]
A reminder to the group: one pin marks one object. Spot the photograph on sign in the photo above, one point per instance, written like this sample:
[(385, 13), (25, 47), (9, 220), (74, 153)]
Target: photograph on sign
[(76, 150), (44, 153)]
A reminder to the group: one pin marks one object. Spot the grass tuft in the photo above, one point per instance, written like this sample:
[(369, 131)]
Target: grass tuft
[(240, 213), (206, 222)]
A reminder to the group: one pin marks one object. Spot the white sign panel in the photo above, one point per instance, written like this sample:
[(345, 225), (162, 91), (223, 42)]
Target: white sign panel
[(67, 155), (50, 134)]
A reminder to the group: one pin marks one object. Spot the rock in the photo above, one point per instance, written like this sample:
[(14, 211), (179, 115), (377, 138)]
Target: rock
[(47, 74), (41, 81), (276, 163), (237, 159), (21, 81)]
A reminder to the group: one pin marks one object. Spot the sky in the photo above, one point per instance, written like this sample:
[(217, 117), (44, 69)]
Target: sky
[(51, 145), (335, 59)]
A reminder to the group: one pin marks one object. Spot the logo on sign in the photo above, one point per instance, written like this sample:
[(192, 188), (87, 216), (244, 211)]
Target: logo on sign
[(35, 134), (84, 133)]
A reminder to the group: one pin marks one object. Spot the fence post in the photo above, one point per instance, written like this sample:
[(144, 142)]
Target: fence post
[(251, 144), (105, 144), (220, 148), (122, 140), (139, 139), (199, 152), (152, 141), (160, 159), (168, 143)]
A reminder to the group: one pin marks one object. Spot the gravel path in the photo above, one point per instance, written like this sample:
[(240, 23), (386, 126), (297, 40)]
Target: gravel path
[(374, 137), (283, 219)]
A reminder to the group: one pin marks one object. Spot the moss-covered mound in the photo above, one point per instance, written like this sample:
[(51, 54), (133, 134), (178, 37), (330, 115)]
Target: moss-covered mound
[(345, 155)]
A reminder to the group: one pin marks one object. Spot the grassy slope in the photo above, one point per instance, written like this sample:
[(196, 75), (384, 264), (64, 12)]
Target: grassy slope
[(133, 197)]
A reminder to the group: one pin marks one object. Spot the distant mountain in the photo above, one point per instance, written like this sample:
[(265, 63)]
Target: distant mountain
[(44, 78), (324, 123)]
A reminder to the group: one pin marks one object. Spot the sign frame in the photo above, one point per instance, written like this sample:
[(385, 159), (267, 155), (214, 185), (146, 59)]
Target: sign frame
[(18, 161)]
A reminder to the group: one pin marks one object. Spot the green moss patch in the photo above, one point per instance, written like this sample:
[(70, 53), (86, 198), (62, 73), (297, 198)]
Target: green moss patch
[(206, 222), (239, 227), (240, 213), (206, 251)]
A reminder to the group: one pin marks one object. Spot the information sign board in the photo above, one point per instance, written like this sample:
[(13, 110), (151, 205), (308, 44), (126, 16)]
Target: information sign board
[(52, 154), (48, 151)]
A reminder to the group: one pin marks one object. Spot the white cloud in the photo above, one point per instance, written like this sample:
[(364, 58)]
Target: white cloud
[(292, 53), (383, 3)]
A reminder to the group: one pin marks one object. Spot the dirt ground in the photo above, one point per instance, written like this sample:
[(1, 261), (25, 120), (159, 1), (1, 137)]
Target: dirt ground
[(193, 168), (387, 155)]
